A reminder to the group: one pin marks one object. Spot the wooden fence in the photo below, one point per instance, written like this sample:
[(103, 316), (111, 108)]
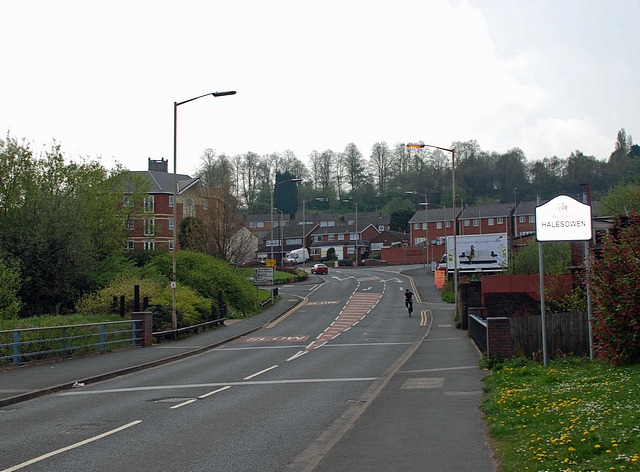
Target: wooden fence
[(566, 333)]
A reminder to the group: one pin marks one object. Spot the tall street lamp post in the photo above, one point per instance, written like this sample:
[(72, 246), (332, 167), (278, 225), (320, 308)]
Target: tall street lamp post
[(455, 226), (272, 192), (357, 258), (427, 243), (174, 285)]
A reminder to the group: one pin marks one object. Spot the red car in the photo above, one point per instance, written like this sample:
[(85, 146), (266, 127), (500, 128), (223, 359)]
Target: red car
[(319, 269)]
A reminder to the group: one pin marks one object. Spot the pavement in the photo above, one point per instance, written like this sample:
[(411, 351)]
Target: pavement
[(423, 416)]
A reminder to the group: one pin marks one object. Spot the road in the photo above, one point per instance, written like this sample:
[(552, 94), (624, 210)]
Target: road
[(266, 402)]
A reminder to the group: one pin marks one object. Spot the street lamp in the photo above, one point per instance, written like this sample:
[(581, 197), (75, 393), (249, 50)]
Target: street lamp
[(174, 285), (280, 223), (426, 220), (272, 192), (357, 234), (455, 228)]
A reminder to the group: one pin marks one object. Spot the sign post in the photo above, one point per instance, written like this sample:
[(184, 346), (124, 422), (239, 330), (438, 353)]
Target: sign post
[(561, 219)]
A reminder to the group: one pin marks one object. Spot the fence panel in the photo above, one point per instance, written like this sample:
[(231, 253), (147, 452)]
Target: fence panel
[(567, 333)]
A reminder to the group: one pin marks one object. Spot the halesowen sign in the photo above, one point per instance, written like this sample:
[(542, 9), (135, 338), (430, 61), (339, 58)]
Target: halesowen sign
[(563, 219)]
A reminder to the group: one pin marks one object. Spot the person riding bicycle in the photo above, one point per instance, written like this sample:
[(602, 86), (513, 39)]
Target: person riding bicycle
[(408, 300)]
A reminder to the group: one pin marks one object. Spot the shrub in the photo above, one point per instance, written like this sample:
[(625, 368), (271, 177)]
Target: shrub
[(616, 298)]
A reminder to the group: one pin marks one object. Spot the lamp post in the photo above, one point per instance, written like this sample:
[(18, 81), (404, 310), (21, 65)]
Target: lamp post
[(455, 228), (174, 285), (357, 234), (304, 243), (426, 220), (272, 192), (280, 222)]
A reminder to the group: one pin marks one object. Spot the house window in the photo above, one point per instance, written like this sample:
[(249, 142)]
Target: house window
[(170, 201), (275, 242), (260, 224), (532, 218), (129, 246), (439, 225), (500, 221), (127, 200), (476, 222), (380, 228), (171, 246), (353, 236), (424, 225), (332, 237), (171, 224), (491, 221), (522, 219), (341, 237), (149, 227), (416, 226), (467, 222), (294, 242), (128, 224), (448, 224), (149, 205), (317, 239), (149, 245)]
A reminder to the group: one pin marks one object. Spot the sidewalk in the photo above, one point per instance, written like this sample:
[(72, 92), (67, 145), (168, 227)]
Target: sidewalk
[(18, 384), (426, 417)]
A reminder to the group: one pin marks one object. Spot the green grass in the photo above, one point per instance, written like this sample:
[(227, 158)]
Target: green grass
[(573, 415)]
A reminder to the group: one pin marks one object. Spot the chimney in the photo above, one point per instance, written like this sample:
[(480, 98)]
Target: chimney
[(161, 165)]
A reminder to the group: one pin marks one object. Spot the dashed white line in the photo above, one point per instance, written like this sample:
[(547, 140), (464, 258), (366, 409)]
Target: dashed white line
[(261, 372)]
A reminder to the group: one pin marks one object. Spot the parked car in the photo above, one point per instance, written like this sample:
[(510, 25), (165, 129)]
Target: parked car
[(319, 269)]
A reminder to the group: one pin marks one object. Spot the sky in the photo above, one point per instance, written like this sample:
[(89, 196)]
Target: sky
[(101, 78)]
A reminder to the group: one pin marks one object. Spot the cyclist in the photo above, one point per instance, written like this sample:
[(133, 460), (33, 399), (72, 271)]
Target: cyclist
[(408, 300)]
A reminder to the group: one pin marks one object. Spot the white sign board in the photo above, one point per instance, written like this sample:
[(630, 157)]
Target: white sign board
[(263, 276), (478, 252), (563, 219)]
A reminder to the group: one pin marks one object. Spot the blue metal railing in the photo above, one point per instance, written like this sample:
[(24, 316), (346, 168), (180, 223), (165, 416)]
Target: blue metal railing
[(478, 332), (51, 341)]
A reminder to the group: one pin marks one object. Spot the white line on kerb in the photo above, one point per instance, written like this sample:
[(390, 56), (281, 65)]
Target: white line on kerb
[(72, 446), (261, 372)]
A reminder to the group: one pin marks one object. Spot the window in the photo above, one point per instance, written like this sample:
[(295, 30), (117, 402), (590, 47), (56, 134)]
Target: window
[(522, 219), (353, 236), (332, 237), (149, 227), (424, 225), (171, 224), (500, 221), (170, 201), (416, 226), (439, 225), (317, 239), (381, 228), (171, 246), (129, 246), (476, 222), (532, 218), (127, 200), (149, 204), (294, 242), (491, 221), (448, 224), (149, 245), (341, 237), (467, 222), (128, 224), (275, 242)]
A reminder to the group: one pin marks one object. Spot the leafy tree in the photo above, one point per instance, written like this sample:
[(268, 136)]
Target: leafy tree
[(557, 257), (620, 200), (10, 282), (616, 298), (400, 220)]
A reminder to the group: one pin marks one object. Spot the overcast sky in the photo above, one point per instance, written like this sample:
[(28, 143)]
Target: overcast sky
[(100, 78)]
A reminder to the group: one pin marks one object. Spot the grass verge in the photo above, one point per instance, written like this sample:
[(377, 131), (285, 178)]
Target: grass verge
[(573, 415)]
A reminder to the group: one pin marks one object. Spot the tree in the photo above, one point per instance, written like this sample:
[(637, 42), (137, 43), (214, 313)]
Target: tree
[(10, 282), (614, 278), (381, 165), (354, 166), (621, 200)]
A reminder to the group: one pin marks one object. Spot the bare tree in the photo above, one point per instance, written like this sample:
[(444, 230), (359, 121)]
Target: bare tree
[(354, 166), (381, 165)]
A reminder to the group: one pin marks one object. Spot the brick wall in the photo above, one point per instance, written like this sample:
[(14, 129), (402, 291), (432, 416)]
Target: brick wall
[(498, 337)]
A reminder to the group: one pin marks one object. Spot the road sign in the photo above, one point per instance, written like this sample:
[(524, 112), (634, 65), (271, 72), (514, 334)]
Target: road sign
[(263, 276), (270, 263)]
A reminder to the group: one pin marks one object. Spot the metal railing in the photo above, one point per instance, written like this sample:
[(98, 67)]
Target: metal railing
[(53, 341), (478, 332)]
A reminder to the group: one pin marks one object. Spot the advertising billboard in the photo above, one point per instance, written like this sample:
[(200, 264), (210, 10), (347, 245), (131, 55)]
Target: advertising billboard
[(479, 252)]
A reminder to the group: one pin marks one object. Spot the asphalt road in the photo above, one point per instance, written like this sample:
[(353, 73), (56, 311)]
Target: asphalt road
[(260, 403)]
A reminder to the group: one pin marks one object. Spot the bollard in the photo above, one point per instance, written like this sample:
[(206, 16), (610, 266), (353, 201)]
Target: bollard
[(136, 298)]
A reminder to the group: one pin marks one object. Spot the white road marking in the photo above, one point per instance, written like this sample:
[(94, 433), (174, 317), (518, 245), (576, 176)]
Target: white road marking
[(214, 392), (72, 446), (179, 405), (261, 372)]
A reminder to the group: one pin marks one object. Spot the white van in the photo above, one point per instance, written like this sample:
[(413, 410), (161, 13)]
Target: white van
[(298, 256)]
